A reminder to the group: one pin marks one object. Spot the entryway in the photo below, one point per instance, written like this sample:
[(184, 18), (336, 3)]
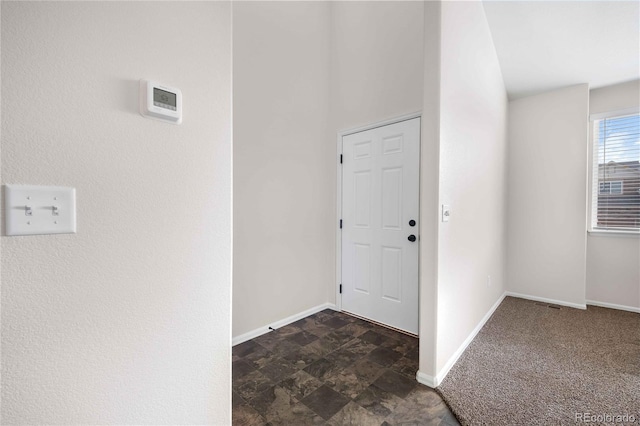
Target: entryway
[(380, 229)]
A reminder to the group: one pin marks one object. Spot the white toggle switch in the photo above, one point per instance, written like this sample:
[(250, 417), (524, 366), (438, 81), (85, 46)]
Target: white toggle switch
[(446, 213), (34, 210)]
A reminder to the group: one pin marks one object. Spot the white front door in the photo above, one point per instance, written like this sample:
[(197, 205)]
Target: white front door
[(380, 199)]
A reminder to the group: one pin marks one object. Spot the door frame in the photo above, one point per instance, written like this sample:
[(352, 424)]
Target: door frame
[(348, 132)]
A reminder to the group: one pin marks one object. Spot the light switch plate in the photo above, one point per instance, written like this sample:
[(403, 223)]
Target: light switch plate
[(446, 213), (37, 210)]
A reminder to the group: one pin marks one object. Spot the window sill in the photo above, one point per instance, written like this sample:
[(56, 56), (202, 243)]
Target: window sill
[(608, 233)]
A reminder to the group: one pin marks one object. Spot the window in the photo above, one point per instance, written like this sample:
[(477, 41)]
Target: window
[(615, 199), (608, 188)]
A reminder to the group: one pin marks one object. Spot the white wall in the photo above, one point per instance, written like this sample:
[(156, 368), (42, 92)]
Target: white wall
[(284, 168), (548, 195), (614, 98), (377, 60), (127, 321), (473, 144), (613, 261)]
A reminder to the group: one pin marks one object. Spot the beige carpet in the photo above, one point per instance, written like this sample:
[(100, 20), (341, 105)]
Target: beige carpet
[(534, 364)]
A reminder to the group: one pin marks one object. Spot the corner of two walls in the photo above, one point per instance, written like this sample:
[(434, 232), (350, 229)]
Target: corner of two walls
[(463, 153), (464, 166), (473, 155), (548, 136), (429, 183), (613, 261), (303, 71), (551, 255)]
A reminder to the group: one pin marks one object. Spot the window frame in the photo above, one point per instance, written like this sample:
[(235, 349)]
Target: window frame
[(593, 176), (610, 182)]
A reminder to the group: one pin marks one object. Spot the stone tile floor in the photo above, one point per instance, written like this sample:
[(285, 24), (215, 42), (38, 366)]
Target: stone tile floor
[(334, 369)]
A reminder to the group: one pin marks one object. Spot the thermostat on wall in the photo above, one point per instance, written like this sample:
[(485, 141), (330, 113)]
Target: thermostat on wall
[(160, 102)]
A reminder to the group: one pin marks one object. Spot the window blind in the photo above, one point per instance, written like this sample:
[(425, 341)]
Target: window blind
[(616, 174)]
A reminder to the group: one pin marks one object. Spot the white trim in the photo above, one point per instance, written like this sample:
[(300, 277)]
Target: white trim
[(594, 175), (281, 323), (433, 382), (613, 306), (614, 232), (618, 113), (456, 355), (592, 179), (411, 116), (546, 300), (341, 134), (426, 380)]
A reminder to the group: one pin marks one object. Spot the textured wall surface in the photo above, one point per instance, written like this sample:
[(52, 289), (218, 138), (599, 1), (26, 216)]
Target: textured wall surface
[(127, 321)]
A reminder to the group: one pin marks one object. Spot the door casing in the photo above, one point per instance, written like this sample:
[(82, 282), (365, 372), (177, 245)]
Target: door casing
[(339, 195)]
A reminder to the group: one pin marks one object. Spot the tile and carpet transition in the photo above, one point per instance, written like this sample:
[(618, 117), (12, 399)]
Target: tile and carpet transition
[(534, 363), (332, 368)]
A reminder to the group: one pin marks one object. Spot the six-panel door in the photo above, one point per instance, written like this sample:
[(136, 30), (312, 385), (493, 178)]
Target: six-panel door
[(380, 198)]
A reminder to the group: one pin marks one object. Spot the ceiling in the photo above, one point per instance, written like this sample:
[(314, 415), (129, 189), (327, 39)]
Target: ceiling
[(544, 45)]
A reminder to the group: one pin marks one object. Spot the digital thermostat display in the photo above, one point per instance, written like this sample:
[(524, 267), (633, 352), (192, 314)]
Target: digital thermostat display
[(160, 102), (164, 99)]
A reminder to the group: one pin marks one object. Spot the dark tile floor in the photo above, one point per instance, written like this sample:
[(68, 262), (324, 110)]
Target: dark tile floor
[(331, 368)]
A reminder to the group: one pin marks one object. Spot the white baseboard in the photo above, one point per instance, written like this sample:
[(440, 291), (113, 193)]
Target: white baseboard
[(432, 381), (545, 300), (281, 323), (454, 358), (613, 306), (426, 380)]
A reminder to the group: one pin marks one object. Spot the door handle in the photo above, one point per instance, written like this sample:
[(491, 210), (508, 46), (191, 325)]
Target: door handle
[(412, 238)]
